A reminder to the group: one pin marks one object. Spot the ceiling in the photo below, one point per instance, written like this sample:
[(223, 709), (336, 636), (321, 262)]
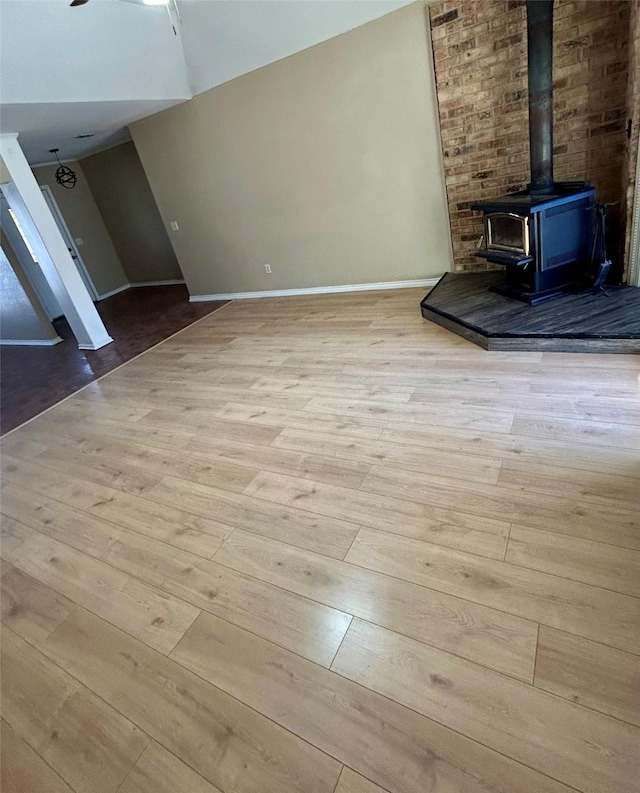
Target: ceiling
[(224, 39), (94, 69), (45, 126)]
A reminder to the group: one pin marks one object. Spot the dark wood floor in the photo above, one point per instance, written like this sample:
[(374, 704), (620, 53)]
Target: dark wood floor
[(34, 378), (591, 321)]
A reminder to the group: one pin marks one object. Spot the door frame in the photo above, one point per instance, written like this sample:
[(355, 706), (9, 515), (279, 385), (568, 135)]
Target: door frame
[(64, 230), (40, 285), (633, 276)]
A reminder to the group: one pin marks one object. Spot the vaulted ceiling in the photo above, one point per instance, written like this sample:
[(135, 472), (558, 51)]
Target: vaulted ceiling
[(93, 69)]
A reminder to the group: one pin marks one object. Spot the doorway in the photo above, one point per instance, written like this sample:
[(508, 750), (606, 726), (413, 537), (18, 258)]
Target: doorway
[(70, 242), (26, 255), (27, 258)]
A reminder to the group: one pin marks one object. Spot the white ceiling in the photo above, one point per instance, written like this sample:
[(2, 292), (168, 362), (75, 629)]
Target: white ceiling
[(45, 126), (226, 38), (107, 50), (94, 69)]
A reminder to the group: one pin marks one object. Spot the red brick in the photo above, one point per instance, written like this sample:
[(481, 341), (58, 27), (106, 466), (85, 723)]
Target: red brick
[(482, 91)]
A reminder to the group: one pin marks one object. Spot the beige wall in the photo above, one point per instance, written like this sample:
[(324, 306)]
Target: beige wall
[(122, 192), (83, 220), (4, 173), (21, 315), (325, 165)]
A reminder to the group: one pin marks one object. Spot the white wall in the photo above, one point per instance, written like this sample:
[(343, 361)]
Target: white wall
[(106, 50)]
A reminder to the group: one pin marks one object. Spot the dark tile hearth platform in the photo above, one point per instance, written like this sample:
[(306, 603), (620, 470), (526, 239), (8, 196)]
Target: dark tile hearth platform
[(35, 378), (586, 322)]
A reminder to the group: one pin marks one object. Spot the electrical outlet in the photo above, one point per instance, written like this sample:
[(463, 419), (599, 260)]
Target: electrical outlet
[(267, 268), (174, 225), (78, 240)]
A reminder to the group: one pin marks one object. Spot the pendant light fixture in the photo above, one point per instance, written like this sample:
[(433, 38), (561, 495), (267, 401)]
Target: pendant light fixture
[(64, 175)]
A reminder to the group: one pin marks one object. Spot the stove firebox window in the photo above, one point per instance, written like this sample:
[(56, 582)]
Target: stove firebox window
[(508, 232)]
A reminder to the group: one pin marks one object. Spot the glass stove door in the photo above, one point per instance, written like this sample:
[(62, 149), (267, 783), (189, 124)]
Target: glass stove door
[(508, 232)]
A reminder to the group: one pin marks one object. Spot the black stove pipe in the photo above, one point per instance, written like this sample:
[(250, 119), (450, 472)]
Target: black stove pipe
[(540, 57)]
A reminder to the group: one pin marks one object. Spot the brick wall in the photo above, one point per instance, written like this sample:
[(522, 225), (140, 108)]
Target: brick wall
[(480, 54)]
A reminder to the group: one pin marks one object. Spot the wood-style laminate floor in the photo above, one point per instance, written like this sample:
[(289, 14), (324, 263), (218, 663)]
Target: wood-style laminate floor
[(34, 378), (320, 545)]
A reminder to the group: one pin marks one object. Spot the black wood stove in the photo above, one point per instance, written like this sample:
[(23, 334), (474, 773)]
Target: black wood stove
[(544, 241), (543, 235)]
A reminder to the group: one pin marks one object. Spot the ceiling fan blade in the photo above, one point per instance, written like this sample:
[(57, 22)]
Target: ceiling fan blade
[(78, 3)]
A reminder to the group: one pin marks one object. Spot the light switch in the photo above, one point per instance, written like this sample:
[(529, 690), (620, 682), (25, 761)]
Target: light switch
[(78, 240), (174, 225)]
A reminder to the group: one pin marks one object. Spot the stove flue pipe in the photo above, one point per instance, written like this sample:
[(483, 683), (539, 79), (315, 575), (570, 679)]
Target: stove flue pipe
[(540, 58)]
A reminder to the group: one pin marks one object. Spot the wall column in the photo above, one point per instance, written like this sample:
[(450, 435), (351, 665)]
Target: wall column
[(25, 199)]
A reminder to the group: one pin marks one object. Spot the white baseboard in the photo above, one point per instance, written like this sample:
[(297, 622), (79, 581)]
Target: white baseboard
[(31, 342), (158, 283), (114, 292), (106, 340), (317, 290), (136, 285)]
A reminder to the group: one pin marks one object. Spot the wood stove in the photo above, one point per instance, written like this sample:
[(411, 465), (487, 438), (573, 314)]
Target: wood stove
[(542, 235), (544, 241)]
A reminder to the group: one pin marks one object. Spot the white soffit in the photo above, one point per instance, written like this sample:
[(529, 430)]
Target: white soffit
[(46, 126), (92, 69)]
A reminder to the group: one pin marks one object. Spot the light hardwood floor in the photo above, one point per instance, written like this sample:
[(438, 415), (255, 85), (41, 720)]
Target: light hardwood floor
[(320, 545)]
